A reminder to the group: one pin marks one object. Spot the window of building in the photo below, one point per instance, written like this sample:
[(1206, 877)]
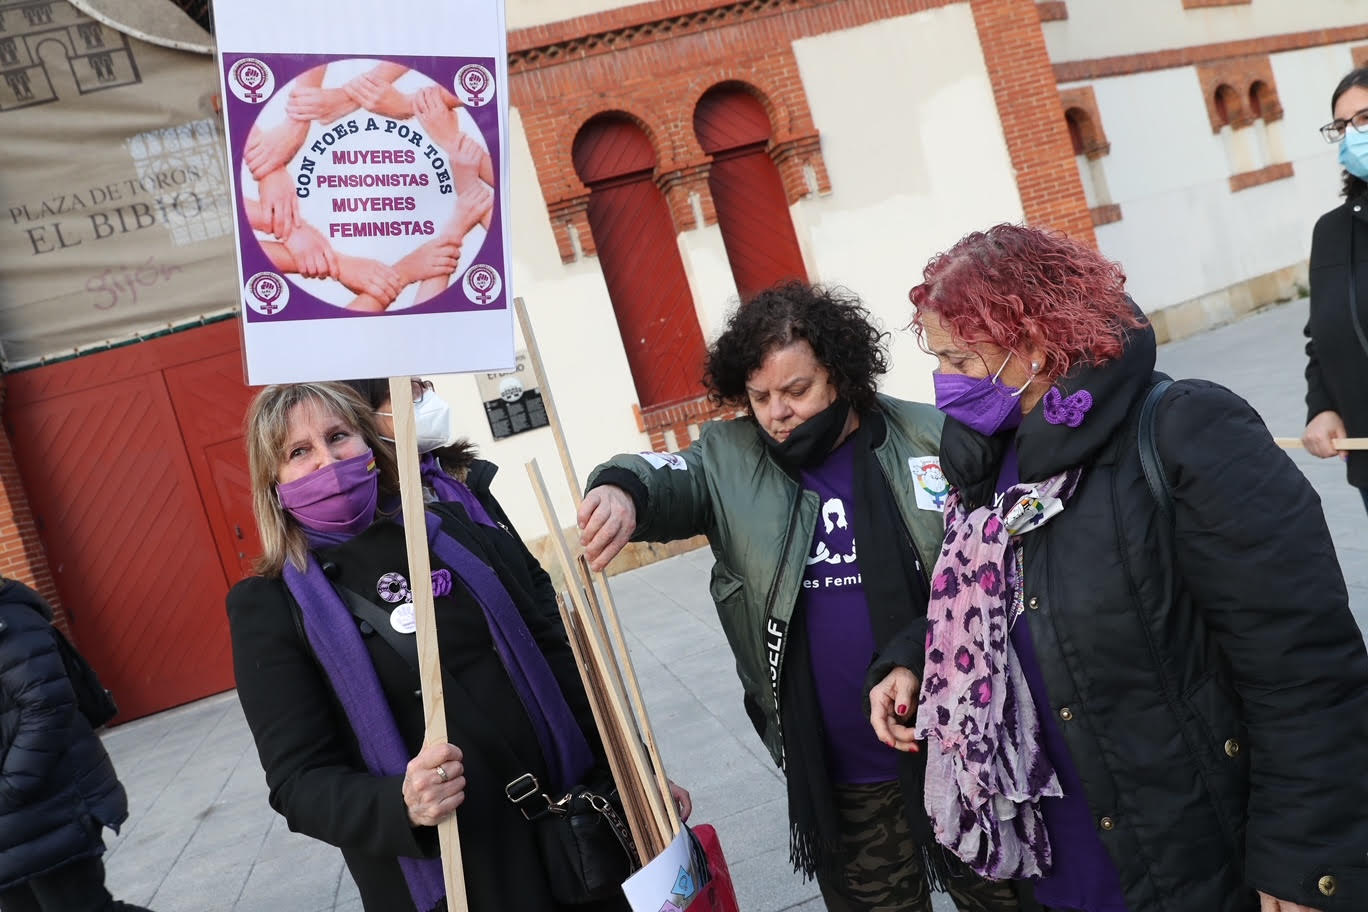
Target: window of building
[(1242, 103), (639, 255), (1090, 148), (748, 194)]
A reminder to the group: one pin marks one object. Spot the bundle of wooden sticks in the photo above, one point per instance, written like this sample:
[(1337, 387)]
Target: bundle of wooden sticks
[(595, 633)]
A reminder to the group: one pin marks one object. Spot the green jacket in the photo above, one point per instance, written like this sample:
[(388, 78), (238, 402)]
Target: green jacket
[(760, 524)]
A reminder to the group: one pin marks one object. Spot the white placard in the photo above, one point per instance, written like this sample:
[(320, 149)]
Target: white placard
[(669, 882), (368, 157)]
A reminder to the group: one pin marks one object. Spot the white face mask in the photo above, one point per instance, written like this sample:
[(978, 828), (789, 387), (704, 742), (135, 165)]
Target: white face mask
[(432, 422)]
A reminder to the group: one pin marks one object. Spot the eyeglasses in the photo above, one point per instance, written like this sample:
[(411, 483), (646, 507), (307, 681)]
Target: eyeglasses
[(1334, 130)]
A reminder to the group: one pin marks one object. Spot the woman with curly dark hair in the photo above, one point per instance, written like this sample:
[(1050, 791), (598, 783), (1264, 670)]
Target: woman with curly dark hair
[(820, 462), (1142, 687)]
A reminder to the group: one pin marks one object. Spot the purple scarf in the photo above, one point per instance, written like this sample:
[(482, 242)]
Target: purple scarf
[(986, 769), (449, 490), (337, 643)]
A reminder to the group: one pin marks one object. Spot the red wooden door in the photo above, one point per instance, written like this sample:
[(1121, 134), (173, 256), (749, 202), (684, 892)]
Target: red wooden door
[(127, 540), (233, 488), (650, 293), (133, 463), (639, 256), (211, 401), (752, 208)]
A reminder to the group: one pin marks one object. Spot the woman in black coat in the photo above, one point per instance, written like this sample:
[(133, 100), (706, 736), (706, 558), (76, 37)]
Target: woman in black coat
[(1145, 698), (1337, 330), (333, 700), (58, 789)]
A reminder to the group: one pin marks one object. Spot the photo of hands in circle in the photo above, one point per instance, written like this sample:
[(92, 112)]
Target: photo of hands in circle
[(361, 220)]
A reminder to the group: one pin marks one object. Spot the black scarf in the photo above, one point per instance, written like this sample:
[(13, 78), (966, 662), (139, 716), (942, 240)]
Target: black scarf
[(896, 592)]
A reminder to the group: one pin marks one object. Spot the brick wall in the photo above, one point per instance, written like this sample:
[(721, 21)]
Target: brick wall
[(1032, 116), (21, 552), (1125, 64), (653, 61)]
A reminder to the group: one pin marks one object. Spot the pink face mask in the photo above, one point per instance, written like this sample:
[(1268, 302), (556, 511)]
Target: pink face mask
[(338, 498)]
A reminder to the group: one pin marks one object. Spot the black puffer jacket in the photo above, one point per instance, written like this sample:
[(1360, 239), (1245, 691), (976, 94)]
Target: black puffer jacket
[(1215, 682), (1336, 363), (58, 789)]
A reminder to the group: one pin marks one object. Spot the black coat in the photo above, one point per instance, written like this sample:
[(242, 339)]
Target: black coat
[(1216, 682), (58, 789), (1337, 365), (314, 771)]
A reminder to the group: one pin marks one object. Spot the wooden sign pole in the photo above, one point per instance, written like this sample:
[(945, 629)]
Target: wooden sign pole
[(420, 584), (609, 607), (1342, 443)]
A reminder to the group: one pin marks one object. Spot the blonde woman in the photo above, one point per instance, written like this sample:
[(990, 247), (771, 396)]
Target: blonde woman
[(328, 680)]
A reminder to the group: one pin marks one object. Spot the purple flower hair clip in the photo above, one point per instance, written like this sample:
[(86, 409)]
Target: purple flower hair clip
[(1070, 411)]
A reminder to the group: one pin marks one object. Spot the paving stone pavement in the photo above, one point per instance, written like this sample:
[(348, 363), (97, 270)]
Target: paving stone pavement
[(201, 837)]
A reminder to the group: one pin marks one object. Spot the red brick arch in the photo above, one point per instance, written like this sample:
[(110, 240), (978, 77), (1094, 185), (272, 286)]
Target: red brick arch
[(1233, 80), (661, 56), (1084, 122)]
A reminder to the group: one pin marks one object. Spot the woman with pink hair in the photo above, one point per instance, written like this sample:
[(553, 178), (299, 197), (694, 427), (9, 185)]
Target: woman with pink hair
[(1140, 683)]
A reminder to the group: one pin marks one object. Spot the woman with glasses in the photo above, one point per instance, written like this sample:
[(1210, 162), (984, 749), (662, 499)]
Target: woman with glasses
[(1337, 331), (1140, 683)]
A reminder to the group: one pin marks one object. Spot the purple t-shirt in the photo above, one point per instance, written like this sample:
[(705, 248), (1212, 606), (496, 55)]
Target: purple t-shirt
[(1084, 876), (841, 641)]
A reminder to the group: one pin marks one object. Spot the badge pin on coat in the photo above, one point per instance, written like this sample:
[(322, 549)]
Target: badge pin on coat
[(393, 588)]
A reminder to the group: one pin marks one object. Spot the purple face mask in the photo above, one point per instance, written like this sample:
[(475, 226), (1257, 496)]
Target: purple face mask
[(338, 498), (981, 403)]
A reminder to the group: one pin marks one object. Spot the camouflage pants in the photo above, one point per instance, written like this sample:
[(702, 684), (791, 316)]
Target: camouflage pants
[(885, 871)]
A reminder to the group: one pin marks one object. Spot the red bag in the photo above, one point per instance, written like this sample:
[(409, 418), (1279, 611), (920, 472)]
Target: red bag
[(718, 895)]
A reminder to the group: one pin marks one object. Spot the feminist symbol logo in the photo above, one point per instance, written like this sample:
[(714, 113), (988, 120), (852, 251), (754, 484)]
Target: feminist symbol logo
[(267, 293), (251, 80), (482, 284), (473, 81)]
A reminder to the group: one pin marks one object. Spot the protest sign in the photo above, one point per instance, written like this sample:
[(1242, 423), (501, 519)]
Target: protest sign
[(368, 158)]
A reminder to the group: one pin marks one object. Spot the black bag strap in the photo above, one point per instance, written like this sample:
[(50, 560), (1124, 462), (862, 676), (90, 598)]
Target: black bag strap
[(363, 609), (1150, 462), (520, 786)]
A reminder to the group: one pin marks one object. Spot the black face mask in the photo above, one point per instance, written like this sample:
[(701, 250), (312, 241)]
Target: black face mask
[(813, 440)]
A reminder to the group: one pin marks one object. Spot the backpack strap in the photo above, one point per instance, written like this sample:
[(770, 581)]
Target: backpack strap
[(1150, 462)]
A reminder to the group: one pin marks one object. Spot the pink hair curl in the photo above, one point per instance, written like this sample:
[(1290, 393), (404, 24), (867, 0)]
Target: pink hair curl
[(1014, 285)]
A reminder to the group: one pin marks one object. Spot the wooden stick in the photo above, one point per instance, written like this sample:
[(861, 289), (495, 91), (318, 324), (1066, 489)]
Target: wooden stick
[(548, 400), (625, 766), (420, 584), (1341, 443), (610, 611), (657, 791), (591, 602)]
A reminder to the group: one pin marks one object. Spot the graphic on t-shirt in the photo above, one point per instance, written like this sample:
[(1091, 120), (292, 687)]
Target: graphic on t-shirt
[(834, 519), (833, 550)]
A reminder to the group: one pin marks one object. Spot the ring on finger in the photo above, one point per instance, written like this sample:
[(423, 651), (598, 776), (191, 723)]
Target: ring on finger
[(441, 773)]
